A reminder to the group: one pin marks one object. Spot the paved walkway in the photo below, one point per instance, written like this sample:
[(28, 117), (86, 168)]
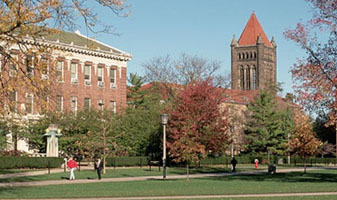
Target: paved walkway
[(142, 178)]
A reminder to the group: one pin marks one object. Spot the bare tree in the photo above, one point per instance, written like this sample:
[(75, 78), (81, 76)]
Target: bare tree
[(184, 70)]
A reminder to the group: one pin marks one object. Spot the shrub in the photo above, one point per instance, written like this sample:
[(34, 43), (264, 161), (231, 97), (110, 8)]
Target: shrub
[(127, 161), (30, 162)]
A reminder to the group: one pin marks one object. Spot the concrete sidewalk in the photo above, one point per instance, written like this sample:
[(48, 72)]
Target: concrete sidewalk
[(141, 178), (39, 172)]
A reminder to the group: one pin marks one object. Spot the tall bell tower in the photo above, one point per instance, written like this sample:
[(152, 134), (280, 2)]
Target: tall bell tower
[(253, 58)]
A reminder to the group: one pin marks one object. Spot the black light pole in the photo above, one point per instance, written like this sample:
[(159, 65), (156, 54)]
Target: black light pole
[(164, 119)]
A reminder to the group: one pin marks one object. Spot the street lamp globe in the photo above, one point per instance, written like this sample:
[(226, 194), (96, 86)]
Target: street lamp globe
[(164, 118)]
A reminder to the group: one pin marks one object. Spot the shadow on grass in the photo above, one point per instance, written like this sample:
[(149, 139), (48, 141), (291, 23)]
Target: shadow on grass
[(201, 170), (314, 177)]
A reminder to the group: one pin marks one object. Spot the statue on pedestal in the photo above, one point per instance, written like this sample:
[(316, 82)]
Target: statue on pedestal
[(52, 133)]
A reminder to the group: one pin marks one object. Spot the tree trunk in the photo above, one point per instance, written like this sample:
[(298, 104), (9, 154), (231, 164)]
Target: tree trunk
[(104, 153), (305, 166), (188, 172)]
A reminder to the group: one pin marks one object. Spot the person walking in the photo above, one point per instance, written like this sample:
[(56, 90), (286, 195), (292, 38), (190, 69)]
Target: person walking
[(233, 162), (256, 161), (99, 166), (72, 165)]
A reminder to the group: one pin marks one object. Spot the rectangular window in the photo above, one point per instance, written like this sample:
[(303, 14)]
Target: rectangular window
[(74, 72), (113, 106), (29, 104), (112, 75), (13, 65), (59, 103), (73, 104), (87, 75), (101, 104), (112, 78), (60, 71), (44, 68), (100, 74), (87, 103), (29, 65), (12, 100)]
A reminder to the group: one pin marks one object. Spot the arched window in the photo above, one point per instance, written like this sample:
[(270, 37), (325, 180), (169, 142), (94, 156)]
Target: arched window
[(242, 78), (247, 55), (239, 56), (254, 76), (251, 55), (247, 78), (254, 55)]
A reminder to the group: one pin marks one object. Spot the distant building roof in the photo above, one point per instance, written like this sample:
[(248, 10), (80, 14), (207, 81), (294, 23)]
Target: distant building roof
[(251, 32)]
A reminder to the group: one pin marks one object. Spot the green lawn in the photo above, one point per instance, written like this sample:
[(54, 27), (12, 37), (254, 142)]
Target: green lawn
[(313, 181), (119, 172), (328, 197)]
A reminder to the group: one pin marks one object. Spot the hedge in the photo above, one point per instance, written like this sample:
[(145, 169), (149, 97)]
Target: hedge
[(30, 162), (127, 161)]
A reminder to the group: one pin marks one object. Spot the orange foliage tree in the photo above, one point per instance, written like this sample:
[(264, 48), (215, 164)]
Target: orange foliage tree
[(196, 124), (303, 142), (316, 75)]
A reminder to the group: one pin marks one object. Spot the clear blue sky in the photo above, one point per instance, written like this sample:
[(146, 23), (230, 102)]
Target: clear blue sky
[(204, 28)]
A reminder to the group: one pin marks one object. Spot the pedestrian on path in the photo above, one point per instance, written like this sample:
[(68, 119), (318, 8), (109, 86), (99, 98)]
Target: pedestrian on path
[(256, 161), (233, 162), (99, 166), (72, 165)]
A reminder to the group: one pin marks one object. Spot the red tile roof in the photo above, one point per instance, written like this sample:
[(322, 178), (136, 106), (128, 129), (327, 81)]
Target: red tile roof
[(251, 32)]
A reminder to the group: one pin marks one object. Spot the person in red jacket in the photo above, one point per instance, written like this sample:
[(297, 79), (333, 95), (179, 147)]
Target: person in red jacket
[(256, 161), (72, 165)]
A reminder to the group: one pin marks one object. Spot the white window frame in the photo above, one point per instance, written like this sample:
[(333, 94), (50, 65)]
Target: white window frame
[(32, 67), (113, 107), (73, 99), (15, 100), (87, 81), (61, 103), (12, 73), (100, 104), (98, 69), (62, 71), (45, 76), (32, 103), (74, 79), (113, 83), (89, 103)]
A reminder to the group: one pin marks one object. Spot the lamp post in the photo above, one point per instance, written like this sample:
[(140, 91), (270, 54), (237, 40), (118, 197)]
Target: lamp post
[(232, 145), (164, 119)]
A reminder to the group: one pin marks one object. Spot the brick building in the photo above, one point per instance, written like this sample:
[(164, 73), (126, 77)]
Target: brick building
[(253, 58), (83, 72), (87, 74)]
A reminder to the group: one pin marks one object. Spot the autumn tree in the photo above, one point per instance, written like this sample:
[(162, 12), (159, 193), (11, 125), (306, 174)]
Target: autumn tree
[(26, 26), (268, 127), (196, 125), (316, 75), (183, 70), (304, 142)]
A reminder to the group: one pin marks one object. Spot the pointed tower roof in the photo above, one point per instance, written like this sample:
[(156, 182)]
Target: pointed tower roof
[(252, 31)]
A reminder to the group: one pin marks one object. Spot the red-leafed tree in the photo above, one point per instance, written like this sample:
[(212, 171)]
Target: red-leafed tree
[(316, 75), (197, 124)]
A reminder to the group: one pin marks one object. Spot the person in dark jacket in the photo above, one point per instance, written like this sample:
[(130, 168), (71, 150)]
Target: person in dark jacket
[(233, 162), (99, 166)]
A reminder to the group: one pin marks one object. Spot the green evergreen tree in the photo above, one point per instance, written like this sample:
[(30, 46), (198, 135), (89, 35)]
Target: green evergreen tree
[(268, 127)]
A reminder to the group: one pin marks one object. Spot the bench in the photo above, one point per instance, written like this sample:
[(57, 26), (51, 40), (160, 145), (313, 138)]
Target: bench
[(154, 163)]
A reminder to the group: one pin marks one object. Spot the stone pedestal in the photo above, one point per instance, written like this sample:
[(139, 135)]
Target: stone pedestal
[(52, 134)]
